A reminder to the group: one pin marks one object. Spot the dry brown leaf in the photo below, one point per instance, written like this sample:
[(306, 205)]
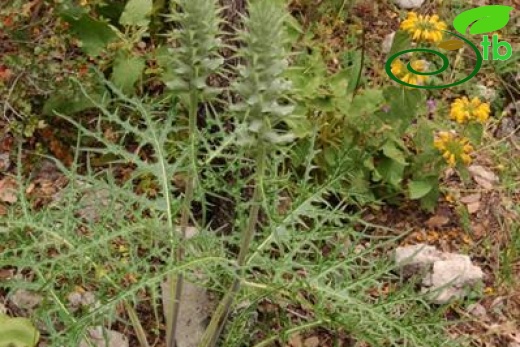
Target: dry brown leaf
[(473, 207), (484, 177), (312, 341), (6, 274), (5, 162), (437, 221), (469, 199), (8, 189), (295, 341), (483, 182)]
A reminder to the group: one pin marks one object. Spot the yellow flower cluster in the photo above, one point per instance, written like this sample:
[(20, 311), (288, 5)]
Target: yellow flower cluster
[(464, 110), (454, 148), (400, 71), (424, 28)]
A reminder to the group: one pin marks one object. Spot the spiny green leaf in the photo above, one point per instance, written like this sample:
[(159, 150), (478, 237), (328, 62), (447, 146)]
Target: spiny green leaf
[(72, 100), (485, 19), (137, 12)]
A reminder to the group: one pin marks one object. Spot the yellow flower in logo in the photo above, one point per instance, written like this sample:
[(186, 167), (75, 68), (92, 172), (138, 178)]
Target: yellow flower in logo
[(400, 70)]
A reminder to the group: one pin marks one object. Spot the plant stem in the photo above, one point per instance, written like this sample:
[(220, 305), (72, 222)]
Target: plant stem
[(176, 291), (222, 312)]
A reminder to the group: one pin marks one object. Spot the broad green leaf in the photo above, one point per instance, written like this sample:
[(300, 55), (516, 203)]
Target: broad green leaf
[(137, 12), (392, 171), (423, 138), (403, 107), (401, 42), (419, 189), (94, 35), (390, 150), (485, 19), (127, 71), (111, 10), (429, 201), (338, 83), (17, 332)]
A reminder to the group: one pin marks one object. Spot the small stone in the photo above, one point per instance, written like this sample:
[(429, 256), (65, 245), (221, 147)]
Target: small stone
[(416, 258), (388, 41), (446, 279), (409, 4), (196, 306), (449, 278)]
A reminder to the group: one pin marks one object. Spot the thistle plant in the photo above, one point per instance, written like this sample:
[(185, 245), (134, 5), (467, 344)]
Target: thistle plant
[(262, 110), (195, 58)]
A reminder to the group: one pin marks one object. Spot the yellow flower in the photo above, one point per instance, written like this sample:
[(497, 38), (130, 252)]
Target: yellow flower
[(464, 110), (397, 67), (424, 28), (401, 72), (453, 148)]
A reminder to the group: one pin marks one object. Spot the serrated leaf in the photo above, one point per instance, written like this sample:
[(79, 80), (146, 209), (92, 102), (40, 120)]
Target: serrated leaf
[(127, 71), (419, 189), (137, 12), (485, 19), (300, 126), (94, 35), (17, 332)]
